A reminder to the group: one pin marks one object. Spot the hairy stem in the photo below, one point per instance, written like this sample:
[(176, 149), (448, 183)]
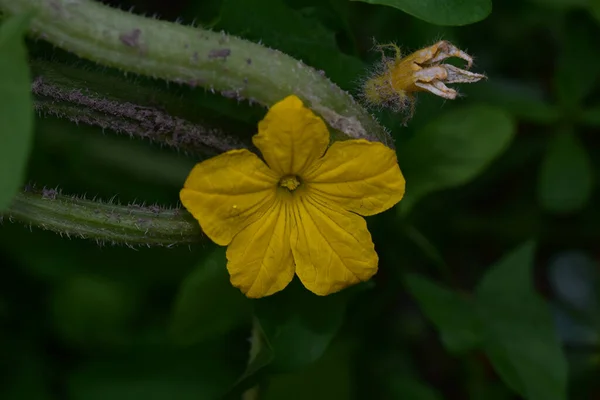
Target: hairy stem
[(105, 222), (72, 93), (235, 67), (86, 107)]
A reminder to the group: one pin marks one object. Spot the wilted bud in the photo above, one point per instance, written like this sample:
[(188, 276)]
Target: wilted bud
[(397, 79)]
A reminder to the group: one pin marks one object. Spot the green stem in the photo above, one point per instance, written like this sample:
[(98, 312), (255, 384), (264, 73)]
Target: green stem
[(104, 222), (177, 100), (256, 344), (131, 119), (234, 67), (138, 107)]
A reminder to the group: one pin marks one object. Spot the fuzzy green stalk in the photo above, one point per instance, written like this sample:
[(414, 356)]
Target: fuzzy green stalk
[(104, 222), (137, 121), (88, 96), (234, 67)]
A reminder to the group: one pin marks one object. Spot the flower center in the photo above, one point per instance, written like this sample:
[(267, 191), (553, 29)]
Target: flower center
[(290, 182)]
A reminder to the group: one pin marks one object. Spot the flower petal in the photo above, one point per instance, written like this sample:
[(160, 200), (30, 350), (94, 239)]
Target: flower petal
[(228, 192), (358, 175), (291, 137), (332, 248), (260, 257)]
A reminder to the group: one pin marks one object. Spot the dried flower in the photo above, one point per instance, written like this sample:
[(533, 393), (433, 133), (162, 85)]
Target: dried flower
[(397, 79)]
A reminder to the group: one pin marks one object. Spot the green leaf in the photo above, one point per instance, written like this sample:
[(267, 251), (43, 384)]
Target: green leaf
[(451, 313), (595, 9), (299, 325), (276, 25), (508, 320), (453, 149), (441, 12), (520, 338), (261, 356), (566, 177), (207, 304), (513, 271), (16, 107), (578, 66)]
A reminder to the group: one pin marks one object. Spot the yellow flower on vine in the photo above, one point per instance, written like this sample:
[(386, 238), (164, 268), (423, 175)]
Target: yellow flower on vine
[(298, 211)]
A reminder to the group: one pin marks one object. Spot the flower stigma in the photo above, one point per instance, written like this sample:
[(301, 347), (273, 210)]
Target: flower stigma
[(290, 182)]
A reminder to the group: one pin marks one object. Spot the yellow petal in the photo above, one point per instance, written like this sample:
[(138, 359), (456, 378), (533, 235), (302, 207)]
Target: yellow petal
[(291, 137), (228, 192), (332, 248), (358, 175), (260, 257)]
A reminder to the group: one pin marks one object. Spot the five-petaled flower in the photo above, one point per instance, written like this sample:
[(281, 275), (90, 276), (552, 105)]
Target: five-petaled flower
[(300, 212)]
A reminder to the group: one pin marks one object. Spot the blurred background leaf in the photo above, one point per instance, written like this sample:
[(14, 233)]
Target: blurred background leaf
[(451, 313), (16, 108), (454, 12), (508, 320), (522, 343), (577, 74), (566, 176), (453, 149), (207, 304), (299, 325)]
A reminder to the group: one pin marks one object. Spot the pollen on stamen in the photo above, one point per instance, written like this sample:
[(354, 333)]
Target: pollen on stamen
[(290, 182)]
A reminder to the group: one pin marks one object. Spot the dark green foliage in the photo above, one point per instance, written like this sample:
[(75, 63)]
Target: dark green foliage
[(16, 111)]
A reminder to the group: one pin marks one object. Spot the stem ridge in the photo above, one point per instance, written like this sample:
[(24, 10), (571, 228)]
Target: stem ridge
[(135, 120), (103, 221)]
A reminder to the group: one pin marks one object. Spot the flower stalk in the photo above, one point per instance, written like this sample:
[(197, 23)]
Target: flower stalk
[(105, 222)]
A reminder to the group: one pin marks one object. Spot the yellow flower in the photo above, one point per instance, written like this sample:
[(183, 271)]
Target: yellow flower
[(299, 212)]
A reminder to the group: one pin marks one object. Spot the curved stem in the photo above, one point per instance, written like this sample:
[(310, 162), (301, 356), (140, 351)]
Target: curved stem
[(235, 67), (105, 222)]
